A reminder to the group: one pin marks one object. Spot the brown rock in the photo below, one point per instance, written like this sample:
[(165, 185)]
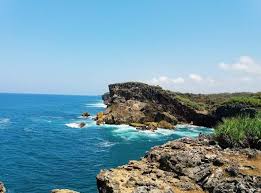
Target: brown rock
[(185, 165), (63, 191)]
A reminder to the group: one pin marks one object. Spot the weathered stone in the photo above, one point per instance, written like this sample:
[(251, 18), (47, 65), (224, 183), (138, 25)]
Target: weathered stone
[(2, 187), (85, 114), (185, 165)]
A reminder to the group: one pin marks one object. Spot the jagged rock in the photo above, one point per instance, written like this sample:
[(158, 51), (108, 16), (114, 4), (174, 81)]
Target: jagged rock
[(85, 114), (2, 187), (134, 102), (82, 124), (63, 191), (189, 165), (232, 170)]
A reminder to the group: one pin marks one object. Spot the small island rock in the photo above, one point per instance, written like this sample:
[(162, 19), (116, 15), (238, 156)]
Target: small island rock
[(85, 114)]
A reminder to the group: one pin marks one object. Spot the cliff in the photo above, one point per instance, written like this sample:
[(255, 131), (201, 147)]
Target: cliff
[(151, 106), (187, 166), (134, 102)]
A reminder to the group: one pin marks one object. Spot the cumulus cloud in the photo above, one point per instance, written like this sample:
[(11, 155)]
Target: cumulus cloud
[(245, 64), (166, 80), (195, 77), (178, 80)]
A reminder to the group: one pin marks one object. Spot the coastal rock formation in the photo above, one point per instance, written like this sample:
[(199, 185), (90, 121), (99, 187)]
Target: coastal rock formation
[(63, 191), (85, 115), (187, 165), (2, 187), (134, 102)]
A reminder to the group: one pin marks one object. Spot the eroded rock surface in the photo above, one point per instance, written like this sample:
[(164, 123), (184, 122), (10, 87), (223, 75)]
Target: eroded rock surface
[(187, 165), (134, 102), (2, 187)]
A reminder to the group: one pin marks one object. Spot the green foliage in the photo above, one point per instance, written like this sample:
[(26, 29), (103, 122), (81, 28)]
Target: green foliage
[(192, 104), (252, 101), (239, 128)]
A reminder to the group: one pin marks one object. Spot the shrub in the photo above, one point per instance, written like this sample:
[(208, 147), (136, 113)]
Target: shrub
[(239, 132)]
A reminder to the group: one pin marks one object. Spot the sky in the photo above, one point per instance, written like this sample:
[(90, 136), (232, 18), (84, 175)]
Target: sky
[(79, 47)]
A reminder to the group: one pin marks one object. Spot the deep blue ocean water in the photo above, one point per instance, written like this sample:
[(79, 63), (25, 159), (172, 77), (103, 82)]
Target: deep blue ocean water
[(41, 147)]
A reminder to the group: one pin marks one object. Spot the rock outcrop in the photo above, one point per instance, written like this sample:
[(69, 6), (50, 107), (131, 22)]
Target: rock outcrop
[(134, 102), (63, 191), (187, 165), (2, 187)]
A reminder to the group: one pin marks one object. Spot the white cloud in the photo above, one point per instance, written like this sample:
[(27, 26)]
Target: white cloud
[(245, 64), (195, 77), (178, 80), (166, 80)]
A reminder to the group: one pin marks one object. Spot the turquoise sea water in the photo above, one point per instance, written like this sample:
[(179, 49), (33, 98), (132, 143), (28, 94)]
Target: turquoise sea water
[(42, 148)]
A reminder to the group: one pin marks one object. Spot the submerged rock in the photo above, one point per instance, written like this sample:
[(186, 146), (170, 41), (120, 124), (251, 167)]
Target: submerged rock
[(185, 165), (82, 124)]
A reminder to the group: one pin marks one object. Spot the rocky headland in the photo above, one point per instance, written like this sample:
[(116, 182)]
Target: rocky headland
[(149, 107), (187, 166)]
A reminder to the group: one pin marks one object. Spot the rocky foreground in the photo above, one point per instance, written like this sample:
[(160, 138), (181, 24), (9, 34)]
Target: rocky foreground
[(187, 166)]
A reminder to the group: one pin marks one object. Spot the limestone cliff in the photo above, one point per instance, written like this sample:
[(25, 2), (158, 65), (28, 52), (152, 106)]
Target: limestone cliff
[(134, 102)]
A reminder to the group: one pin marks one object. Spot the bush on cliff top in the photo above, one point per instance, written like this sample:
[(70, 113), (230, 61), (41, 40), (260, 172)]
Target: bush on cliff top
[(253, 101), (239, 132)]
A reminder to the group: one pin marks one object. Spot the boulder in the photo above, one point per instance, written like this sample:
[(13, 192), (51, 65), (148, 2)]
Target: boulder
[(82, 124), (85, 114)]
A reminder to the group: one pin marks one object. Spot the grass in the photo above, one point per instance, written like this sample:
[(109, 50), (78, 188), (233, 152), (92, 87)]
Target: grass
[(253, 101), (239, 130), (194, 105)]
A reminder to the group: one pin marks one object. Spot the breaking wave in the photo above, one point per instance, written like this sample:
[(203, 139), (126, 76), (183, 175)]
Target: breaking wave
[(97, 105)]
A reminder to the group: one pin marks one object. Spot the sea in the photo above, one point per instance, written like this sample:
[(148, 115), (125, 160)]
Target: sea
[(42, 147)]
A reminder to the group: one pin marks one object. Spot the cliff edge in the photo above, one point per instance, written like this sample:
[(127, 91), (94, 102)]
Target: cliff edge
[(187, 166)]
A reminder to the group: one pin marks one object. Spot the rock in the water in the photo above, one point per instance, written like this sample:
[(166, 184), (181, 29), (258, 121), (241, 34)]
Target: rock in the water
[(185, 165), (82, 124), (2, 187), (63, 191), (85, 114)]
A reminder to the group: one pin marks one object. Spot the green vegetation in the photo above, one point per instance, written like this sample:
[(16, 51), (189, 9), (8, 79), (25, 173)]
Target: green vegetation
[(239, 131), (252, 101), (192, 104), (211, 101), (137, 125)]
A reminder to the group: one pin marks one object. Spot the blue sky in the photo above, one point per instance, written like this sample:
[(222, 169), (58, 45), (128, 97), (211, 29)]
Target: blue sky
[(79, 47)]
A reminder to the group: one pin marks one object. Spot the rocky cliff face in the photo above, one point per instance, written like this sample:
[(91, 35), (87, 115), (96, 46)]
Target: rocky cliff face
[(187, 166), (134, 102)]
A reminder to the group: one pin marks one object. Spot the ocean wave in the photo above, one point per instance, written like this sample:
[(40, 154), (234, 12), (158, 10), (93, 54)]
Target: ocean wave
[(97, 105), (4, 120), (106, 144), (74, 125), (77, 124), (127, 132)]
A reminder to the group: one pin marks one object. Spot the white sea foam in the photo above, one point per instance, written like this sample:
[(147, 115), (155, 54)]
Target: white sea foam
[(105, 144), (77, 124), (130, 133), (97, 105), (73, 125), (4, 120)]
